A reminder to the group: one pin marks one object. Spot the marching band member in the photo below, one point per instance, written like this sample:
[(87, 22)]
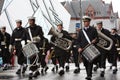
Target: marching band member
[(19, 36), (104, 53), (61, 55), (75, 54), (53, 58), (43, 52), (113, 51), (37, 36), (82, 42), (5, 48)]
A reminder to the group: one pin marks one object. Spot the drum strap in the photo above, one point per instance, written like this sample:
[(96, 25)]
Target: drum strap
[(86, 36), (30, 34)]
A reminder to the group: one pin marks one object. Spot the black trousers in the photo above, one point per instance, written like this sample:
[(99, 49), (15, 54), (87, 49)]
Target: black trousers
[(54, 60), (33, 63), (88, 66), (114, 63), (75, 56), (20, 56), (62, 57), (102, 58), (42, 60), (67, 57), (112, 58), (5, 55), (61, 61)]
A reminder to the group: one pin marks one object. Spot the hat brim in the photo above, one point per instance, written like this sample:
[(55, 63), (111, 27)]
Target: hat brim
[(86, 20)]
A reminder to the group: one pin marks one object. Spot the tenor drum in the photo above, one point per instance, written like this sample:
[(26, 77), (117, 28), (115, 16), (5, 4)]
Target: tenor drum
[(90, 52), (30, 49)]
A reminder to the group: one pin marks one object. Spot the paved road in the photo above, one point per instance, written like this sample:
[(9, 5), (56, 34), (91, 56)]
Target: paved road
[(10, 75)]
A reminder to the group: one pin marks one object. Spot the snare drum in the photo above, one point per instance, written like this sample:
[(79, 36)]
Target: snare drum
[(30, 49), (90, 52)]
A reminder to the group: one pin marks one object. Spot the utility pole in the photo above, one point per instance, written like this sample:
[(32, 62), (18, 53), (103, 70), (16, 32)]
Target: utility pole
[(81, 14)]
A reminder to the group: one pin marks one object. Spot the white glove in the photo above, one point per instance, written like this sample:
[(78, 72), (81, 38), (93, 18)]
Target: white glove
[(10, 48), (52, 47), (23, 43), (28, 41)]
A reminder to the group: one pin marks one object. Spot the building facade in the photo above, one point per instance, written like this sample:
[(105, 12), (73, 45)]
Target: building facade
[(98, 10)]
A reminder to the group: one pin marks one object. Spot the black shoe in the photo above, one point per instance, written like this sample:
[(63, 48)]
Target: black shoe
[(37, 73), (30, 76), (46, 68), (61, 72), (18, 71), (115, 71), (76, 71), (110, 67), (42, 71), (56, 68), (88, 78), (67, 68), (53, 69), (5, 67), (24, 69), (95, 69), (102, 74)]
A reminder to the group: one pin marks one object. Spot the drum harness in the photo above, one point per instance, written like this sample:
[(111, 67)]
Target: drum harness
[(89, 44), (37, 57)]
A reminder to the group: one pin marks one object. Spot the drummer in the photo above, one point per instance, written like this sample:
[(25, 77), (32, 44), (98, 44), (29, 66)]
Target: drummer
[(82, 42), (38, 37)]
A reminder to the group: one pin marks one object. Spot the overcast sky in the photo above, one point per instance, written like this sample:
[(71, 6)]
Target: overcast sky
[(116, 4)]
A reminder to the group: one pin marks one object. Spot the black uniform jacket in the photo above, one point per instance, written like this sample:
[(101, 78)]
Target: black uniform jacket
[(18, 35), (82, 41), (36, 30), (6, 38)]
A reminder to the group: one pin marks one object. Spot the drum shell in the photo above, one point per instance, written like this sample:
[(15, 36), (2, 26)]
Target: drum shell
[(29, 50), (90, 53)]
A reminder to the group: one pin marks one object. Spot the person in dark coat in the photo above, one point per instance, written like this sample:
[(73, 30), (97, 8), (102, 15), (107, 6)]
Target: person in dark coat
[(19, 36), (5, 48), (43, 52), (53, 58), (75, 53), (61, 55), (82, 43), (113, 51), (104, 53), (37, 36)]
